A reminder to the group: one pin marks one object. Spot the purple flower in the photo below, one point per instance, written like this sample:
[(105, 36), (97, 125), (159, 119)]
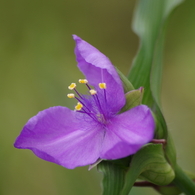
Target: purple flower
[(94, 130)]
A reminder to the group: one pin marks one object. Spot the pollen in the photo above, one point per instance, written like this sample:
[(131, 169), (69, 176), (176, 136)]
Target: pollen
[(71, 95), (83, 81), (102, 85), (72, 86), (92, 92), (78, 106)]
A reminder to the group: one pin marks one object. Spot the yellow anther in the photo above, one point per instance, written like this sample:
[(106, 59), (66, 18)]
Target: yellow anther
[(92, 91), (70, 95), (102, 85), (83, 81), (78, 106), (72, 86)]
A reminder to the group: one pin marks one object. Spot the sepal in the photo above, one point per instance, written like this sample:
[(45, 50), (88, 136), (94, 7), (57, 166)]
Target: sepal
[(133, 99), (151, 164)]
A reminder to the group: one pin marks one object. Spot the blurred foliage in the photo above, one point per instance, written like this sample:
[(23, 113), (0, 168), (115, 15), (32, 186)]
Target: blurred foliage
[(37, 63)]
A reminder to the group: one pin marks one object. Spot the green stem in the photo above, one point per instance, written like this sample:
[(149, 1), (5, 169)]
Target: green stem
[(183, 182)]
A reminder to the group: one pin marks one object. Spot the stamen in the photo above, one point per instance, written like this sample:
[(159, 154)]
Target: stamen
[(85, 81), (78, 106), (72, 86), (83, 107), (71, 95), (92, 92), (102, 85)]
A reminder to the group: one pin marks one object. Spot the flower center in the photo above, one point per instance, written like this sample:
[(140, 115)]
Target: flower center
[(93, 104)]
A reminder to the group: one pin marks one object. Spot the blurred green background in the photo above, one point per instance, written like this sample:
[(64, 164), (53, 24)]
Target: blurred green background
[(37, 64)]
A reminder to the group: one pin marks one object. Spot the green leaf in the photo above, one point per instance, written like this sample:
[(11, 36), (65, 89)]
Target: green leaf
[(113, 175), (149, 24), (150, 163)]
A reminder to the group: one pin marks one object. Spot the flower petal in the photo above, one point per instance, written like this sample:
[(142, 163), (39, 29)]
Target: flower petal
[(98, 69), (114, 147), (62, 136), (86, 54), (135, 126), (128, 132)]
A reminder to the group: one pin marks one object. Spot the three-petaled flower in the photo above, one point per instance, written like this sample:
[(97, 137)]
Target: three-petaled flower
[(94, 130)]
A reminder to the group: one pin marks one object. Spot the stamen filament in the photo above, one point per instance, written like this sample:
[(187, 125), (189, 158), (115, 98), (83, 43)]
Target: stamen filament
[(78, 93), (89, 114), (88, 86), (98, 102), (105, 96), (79, 101), (82, 103)]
